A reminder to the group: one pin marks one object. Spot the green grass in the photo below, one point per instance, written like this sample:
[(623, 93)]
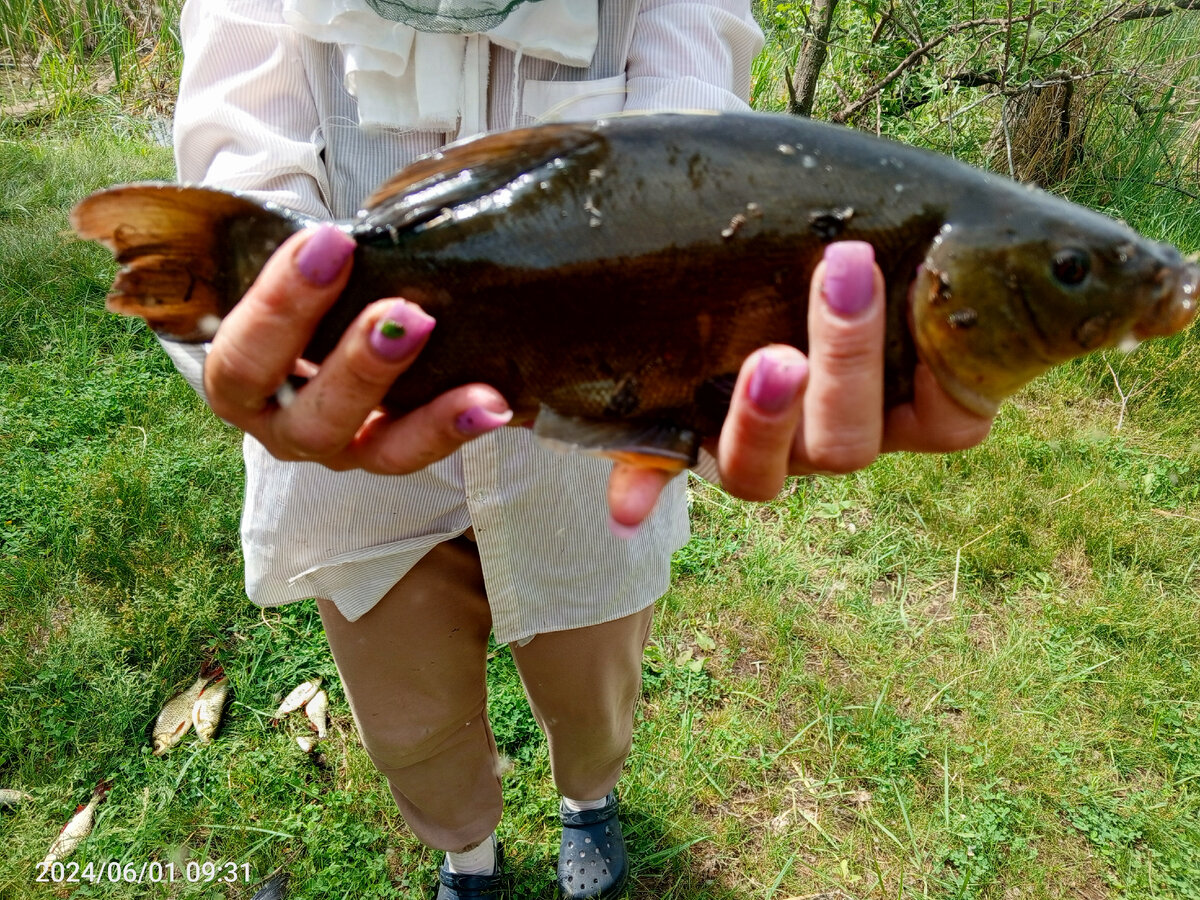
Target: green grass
[(965, 676), (961, 676)]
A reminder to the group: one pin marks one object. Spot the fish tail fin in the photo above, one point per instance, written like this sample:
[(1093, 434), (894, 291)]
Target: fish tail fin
[(187, 254)]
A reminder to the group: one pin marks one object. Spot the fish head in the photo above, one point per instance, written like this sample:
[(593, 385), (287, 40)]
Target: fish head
[(997, 303)]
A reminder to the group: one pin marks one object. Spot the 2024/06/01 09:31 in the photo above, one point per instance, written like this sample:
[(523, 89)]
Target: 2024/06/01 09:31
[(151, 871)]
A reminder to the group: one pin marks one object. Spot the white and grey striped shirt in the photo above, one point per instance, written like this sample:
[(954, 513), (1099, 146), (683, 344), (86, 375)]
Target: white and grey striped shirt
[(262, 109)]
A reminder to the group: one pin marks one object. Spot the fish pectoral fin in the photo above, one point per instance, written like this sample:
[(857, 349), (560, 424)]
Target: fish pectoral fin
[(469, 169), (647, 444)]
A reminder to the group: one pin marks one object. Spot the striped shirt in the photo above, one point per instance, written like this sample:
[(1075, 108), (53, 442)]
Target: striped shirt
[(263, 110)]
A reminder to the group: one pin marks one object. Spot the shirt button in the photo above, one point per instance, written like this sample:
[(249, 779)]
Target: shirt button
[(478, 496)]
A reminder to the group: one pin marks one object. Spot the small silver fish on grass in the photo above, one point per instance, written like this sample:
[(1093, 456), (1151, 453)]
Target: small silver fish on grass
[(77, 828), (306, 742), (11, 798), (175, 720), (317, 710), (206, 712), (300, 695)]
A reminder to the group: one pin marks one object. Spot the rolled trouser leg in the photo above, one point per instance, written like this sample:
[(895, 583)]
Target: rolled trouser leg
[(583, 685), (413, 671)]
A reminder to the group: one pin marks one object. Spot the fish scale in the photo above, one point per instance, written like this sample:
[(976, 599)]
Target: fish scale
[(608, 278)]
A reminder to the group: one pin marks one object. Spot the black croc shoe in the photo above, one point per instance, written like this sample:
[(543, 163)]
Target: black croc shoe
[(591, 860), (452, 886)]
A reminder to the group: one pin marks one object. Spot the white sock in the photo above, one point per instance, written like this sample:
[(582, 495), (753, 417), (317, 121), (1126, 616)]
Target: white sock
[(581, 805), (479, 861)]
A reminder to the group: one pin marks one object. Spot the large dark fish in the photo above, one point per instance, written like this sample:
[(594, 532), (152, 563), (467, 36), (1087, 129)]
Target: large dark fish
[(615, 274)]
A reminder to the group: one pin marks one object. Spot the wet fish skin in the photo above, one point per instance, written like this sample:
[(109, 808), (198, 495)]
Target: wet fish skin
[(317, 711), (206, 711), (77, 828), (298, 696), (175, 719), (542, 251)]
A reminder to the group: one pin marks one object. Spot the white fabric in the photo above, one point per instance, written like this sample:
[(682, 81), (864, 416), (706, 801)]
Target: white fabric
[(480, 860), (409, 79), (262, 109)]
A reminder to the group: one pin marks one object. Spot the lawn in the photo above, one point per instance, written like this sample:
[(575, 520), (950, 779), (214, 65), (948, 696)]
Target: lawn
[(974, 675)]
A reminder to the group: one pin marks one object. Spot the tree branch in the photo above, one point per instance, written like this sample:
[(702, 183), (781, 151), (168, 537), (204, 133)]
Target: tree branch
[(907, 63)]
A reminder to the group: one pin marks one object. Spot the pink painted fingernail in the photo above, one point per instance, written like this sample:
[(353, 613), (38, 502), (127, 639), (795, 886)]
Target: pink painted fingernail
[(849, 277), (324, 254), (477, 420), (774, 382), (401, 330), (624, 532)]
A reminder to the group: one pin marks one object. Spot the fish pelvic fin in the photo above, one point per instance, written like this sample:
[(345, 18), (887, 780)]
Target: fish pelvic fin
[(187, 254), (645, 444)]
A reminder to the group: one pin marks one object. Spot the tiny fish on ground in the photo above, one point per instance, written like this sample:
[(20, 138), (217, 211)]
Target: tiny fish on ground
[(10, 797), (298, 696), (206, 712), (306, 742), (317, 710), (609, 278), (176, 717), (77, 828)]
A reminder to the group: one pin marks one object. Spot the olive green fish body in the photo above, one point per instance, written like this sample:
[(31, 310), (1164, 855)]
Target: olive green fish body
[(617, 273)]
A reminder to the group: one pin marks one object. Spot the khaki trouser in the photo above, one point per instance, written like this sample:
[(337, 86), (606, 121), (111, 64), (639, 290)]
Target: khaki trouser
[(413, 670)]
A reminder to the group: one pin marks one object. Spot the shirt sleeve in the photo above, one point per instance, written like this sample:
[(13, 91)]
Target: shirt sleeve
[(245, 119), (692, 54)]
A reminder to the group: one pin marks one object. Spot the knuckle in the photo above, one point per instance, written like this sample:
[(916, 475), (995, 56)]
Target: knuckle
[(847, 354), (842, 458), (363, 375), (235, 377), (314, 441), (749, 488)]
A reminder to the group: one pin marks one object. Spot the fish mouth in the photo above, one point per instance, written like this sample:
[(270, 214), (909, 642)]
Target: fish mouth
[(1176, 310)]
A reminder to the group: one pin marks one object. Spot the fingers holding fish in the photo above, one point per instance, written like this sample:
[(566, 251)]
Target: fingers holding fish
[(322, 418), (933, 422), (397, 446), (754, 449), (841, 429), (332, 418), (261, 338)]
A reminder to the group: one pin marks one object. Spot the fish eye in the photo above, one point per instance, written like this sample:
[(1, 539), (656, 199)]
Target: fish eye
[(1071, 266)]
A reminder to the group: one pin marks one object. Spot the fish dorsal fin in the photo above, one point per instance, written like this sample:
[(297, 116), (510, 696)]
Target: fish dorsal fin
[(470, 169)]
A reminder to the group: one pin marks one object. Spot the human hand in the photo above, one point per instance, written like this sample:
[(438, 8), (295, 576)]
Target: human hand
[(795, 415), (333, 419)]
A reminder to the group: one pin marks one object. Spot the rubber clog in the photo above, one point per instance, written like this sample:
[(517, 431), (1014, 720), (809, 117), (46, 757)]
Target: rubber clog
[(591, 859), (453, 886)]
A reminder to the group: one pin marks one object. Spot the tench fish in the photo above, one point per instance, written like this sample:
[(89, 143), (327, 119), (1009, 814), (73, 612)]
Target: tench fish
[(610, 277)]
